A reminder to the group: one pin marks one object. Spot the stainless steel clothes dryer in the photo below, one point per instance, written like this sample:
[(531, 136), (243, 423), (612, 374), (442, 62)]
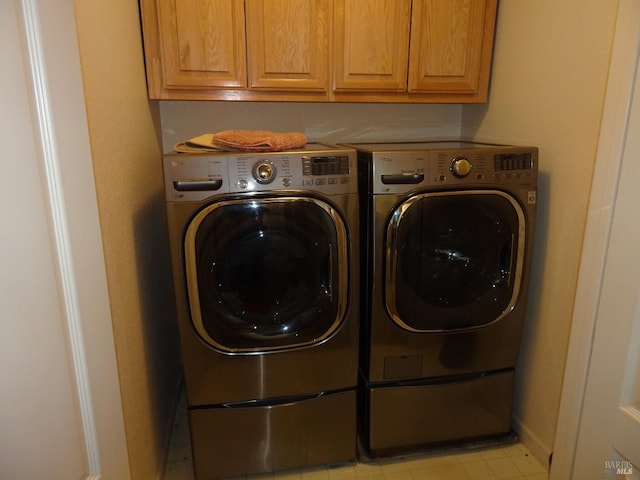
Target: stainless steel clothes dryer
[(447, 235), (265, 259)]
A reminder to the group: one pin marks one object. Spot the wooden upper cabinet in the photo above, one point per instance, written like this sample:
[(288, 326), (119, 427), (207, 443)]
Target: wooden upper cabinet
[(237, 49), (202, 43), (413, 50), (319, 50), (371, 45), (451, 46), (288, 44)]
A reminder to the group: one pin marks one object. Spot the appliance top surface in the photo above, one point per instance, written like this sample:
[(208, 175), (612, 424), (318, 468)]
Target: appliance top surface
[(320, 147), (421, 146), (309, 148)]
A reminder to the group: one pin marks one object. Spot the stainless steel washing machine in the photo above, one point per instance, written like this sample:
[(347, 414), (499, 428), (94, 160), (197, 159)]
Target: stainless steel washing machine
[(265, 260), (447, 236)]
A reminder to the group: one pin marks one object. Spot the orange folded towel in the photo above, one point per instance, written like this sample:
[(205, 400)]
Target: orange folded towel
[(258, 140)]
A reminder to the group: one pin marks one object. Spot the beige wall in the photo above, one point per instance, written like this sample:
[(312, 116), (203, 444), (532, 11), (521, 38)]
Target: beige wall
[(126, 157), (319, 121), (549, 76)]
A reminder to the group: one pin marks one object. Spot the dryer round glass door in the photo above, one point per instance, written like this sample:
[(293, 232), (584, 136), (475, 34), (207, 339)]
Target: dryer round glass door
[(454, 260), (266, 274)]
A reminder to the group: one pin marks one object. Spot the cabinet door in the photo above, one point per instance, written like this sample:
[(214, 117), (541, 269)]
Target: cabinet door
[(451, 45), (202, 43), (287, 44), (371, 45)]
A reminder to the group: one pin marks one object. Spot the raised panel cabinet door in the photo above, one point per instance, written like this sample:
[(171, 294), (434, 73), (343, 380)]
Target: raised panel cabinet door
[(371, 45), (288, 44), (202, 43), (451, 46)]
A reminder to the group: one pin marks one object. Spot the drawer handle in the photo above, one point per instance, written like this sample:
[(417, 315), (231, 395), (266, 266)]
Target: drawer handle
[(197, 185), (403, 179)]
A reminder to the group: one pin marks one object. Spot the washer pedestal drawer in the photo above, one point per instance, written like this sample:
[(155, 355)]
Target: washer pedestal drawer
[(243, 440), (404, 417)]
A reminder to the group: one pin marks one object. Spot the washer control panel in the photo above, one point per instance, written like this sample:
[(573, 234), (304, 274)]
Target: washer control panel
[(248, 173), (327, 169), (327, 172)]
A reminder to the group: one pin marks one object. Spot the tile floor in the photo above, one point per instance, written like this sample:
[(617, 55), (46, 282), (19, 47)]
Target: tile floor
[(486, 461)]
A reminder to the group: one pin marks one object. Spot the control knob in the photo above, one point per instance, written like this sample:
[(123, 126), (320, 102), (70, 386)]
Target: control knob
[(460, 167), (264, 172)]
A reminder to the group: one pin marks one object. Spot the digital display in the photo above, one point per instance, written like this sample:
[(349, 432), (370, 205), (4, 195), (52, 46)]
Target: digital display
[(513, 161), (326, 165)]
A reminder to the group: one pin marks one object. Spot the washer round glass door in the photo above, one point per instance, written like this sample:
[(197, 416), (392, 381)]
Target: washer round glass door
[(454, 260), (266, 274)]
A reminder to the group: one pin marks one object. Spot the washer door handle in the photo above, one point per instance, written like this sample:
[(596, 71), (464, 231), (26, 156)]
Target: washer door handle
[(410, 178), (506, 259), (329, 285)]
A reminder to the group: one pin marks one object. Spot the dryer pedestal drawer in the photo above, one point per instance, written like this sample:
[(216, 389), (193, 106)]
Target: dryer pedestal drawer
[(405, 417), (238, 441)]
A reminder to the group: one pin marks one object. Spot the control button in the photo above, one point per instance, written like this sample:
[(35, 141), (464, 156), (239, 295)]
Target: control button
[(286, 182), (344, 179), (307, 182), (306, 166), (460, 167), (321, 181), (332, 181), (344, 164), (242, 183)]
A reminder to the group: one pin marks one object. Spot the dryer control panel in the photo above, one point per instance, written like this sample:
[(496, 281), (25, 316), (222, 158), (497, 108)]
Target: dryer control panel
[(403, 167)]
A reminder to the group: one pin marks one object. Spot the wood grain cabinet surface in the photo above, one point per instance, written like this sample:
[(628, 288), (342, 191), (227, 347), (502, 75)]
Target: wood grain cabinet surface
[(371, 45), (421, 51), (288, 47)]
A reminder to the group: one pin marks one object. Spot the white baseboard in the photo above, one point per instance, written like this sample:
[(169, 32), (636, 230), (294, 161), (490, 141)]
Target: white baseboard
[(537, 447)]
